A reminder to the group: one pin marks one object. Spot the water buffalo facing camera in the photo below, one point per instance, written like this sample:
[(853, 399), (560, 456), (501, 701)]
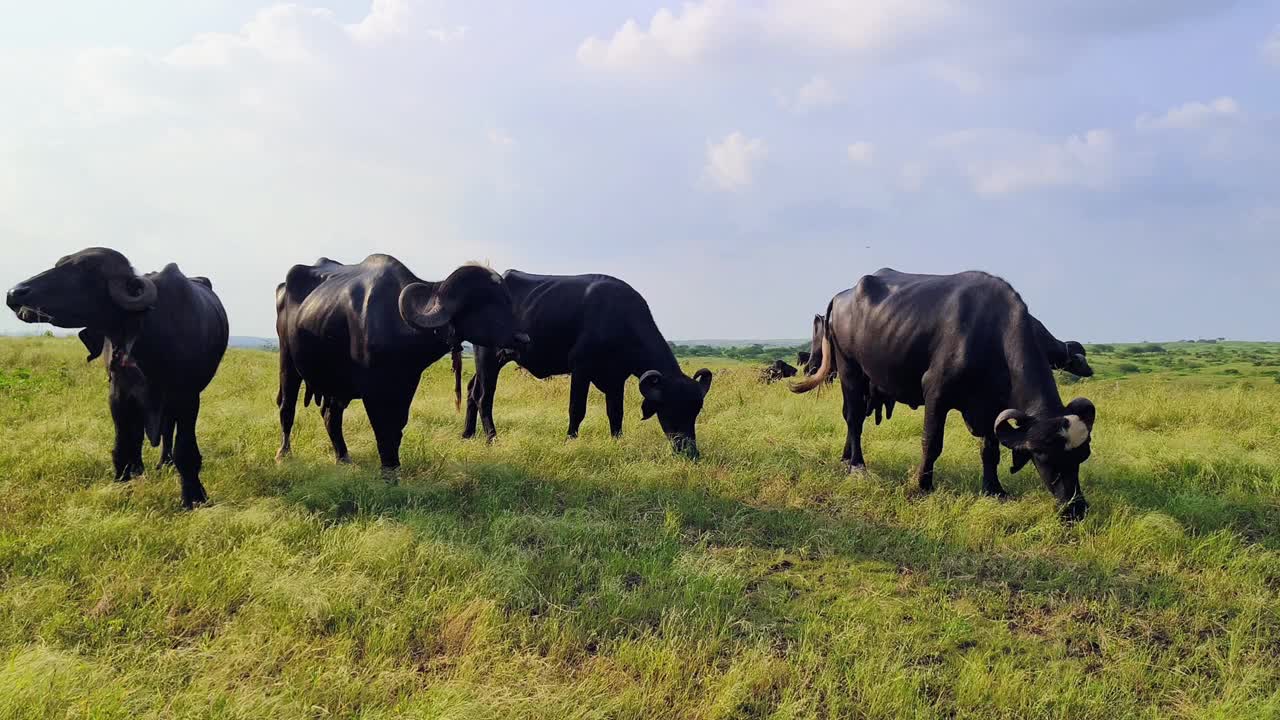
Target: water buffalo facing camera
[(676, 400), (961, 342), (163, 335), (368, 331), (598, 330), (777, 370), (1056, 445)]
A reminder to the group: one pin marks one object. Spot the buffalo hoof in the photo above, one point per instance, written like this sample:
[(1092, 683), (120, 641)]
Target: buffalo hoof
[(468, 434), (920, 488), (391, 475), (572, 436), (164, 463), (283, 454), (193, 498), (489, 438), (344, 460), (997, 493), (1074, 511), (855, 468)]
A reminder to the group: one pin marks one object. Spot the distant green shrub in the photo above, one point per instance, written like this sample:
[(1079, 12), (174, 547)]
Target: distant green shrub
[(1102, 348), (1147, 349), (1128, 368), (1231, 371)]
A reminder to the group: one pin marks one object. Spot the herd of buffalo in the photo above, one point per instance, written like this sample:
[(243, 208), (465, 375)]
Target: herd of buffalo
[(964, 342)]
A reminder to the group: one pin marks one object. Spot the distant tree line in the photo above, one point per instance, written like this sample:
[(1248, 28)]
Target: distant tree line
[(745, 353)]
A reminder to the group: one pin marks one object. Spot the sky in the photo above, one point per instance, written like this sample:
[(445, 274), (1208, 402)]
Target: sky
[(738, 162)]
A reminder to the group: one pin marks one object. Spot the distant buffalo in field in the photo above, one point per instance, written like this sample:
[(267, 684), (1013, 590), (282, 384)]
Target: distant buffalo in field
[(775, 371), (163, 335), (598, 330), (961, 342), (368, 331)]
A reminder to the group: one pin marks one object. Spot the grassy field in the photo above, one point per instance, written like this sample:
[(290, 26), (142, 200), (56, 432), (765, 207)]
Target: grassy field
[(545, 578)]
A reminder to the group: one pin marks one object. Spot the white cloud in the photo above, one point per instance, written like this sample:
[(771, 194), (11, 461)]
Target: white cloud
[(500, 138), (1190, 116), (1271, 47), (670, 37), (854, 27), (731, 162), (967, 40), (386, 18), (1000, 162), (817, 93), (861, 153)]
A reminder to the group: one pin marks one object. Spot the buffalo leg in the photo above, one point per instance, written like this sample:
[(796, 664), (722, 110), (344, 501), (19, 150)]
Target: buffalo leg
[(935, 418), (614, 393), (473, 410), (853, 388), (991, 467), (332, 414), (287, 399), (488, 365), (388, 415), (166, 440), (186, 453), (127, 416), (579, 384)]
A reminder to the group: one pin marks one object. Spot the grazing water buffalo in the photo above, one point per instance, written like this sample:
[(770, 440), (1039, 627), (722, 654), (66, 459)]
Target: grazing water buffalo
[(598, 330), (162, 334), (1068, 356), (957, 342), (775, 371), (368, 331)]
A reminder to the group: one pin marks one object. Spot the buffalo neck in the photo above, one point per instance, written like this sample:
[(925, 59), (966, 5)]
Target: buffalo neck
[(653, 353), (1033, 388)]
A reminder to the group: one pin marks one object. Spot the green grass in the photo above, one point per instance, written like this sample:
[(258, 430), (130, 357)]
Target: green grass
[(545, 578)]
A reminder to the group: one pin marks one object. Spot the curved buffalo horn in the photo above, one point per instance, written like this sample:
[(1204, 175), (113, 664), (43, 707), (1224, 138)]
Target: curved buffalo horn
[(423, 308), (132, 293), (703, 378), (1006, 422), (651, 391)]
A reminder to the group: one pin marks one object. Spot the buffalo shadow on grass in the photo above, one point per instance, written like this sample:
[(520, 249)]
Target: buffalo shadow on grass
[(488, 492)]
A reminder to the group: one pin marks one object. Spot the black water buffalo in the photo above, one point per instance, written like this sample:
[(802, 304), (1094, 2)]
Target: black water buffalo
[(1069, 356), (957, 342), (163, 335), (775, 371), (368, 331), (598, 330)]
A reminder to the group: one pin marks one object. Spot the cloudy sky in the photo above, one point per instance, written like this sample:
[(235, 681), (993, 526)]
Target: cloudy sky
[(737, 161)]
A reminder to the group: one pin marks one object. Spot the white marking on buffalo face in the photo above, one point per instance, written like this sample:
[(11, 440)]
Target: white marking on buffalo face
[(1076, 432)]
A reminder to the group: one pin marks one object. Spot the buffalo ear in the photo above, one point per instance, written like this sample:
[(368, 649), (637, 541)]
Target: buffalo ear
[(651, 389), (1020, 458), (133, 293), (1011, 428), (1084, 409), (424, 308), (703, 378), (93, 342)]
